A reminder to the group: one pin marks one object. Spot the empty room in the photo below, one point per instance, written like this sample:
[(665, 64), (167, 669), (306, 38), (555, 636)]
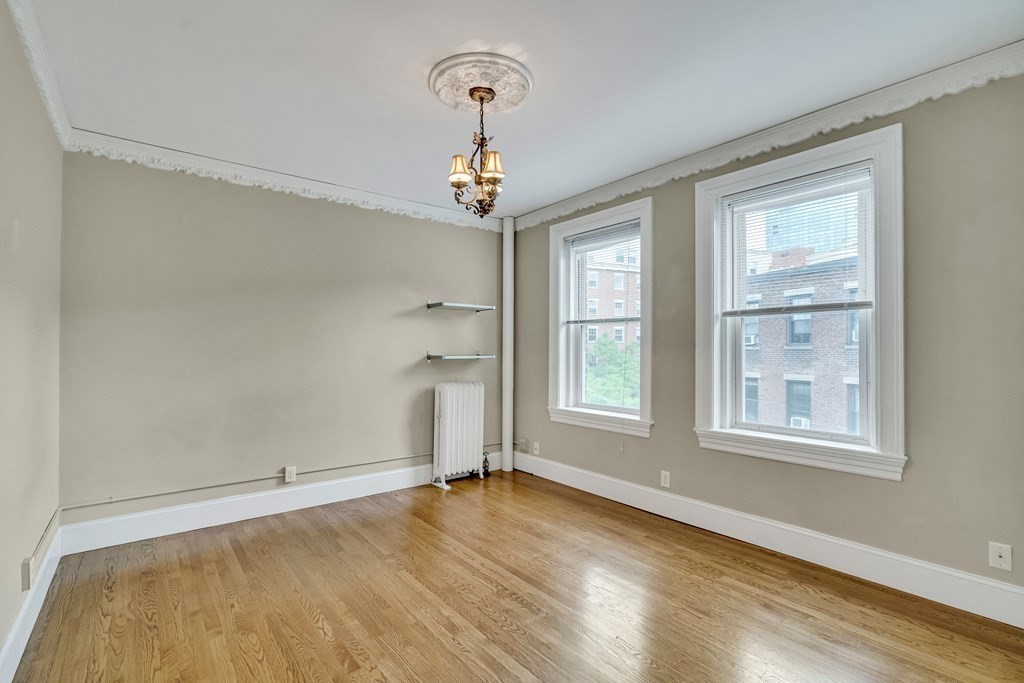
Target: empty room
[(589, 340)]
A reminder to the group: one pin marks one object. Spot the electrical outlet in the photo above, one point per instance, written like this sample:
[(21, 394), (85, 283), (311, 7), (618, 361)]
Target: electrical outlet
[(1000, 556), (665, 479), (536, 447), (289, 474)]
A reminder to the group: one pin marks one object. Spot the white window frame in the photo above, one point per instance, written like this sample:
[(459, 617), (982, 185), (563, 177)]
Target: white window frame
[(596, 307), (596, 334), (619, 334), (593, 276), (619, 282), (619, 308), (881, 452), (636, 422)]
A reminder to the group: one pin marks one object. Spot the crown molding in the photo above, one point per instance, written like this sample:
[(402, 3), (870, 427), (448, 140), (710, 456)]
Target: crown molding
[(76, 140), (1004, 62), (27, 25), (165, 159)]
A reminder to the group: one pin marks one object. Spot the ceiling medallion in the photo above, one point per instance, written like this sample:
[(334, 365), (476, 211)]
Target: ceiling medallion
[(451, 79), (467, 82)]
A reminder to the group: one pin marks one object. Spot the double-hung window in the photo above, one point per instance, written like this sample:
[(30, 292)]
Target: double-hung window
[(605, 382), (806, 251)]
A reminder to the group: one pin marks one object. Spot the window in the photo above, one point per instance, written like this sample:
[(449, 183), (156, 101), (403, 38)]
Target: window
[(604, 383), (799, 324), (798, 404), (638, 283), (810, 247), (592, 279), (752, 324), (750, 387), (852, 408), (592, 333), (853, 322), (592, 308)]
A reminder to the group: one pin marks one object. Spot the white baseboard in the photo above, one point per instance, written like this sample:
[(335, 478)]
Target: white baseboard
[(993, 599), (14, 646), (137, 526)]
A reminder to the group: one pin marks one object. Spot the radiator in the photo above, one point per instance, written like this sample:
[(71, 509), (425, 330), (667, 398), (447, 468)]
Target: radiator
[(458, 430)]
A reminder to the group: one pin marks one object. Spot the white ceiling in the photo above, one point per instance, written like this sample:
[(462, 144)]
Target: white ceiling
[(336, 90)]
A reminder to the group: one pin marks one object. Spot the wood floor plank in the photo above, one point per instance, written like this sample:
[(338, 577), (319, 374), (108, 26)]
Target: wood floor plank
[(510, 578)]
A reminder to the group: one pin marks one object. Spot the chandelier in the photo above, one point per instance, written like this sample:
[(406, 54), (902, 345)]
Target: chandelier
[(467, 82), (477, 189)]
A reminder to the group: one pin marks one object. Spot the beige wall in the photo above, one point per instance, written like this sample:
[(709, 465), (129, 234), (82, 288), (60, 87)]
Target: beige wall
[(30, 187), (214, 333), (964, 217)]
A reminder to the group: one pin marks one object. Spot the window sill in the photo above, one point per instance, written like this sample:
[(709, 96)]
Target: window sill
[(830, 455), (619, 423)]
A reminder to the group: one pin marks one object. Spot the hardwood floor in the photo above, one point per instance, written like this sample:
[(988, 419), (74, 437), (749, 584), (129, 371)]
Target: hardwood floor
[(512, 578)]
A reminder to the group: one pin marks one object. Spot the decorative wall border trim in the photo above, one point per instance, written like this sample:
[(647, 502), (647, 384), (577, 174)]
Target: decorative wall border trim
[(993, 599), (1004, 62), (27, 24), (14, 646), (164, 159), (152, 156)]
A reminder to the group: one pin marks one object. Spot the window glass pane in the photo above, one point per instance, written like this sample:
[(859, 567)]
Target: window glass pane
[(603, 262), (596, 273), (611, 375), (808, 382), (853, 408), (750, 398), (808, 234)]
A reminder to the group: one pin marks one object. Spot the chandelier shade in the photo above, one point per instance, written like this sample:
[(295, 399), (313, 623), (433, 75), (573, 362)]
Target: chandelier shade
[(492, 167), (459, 176)]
